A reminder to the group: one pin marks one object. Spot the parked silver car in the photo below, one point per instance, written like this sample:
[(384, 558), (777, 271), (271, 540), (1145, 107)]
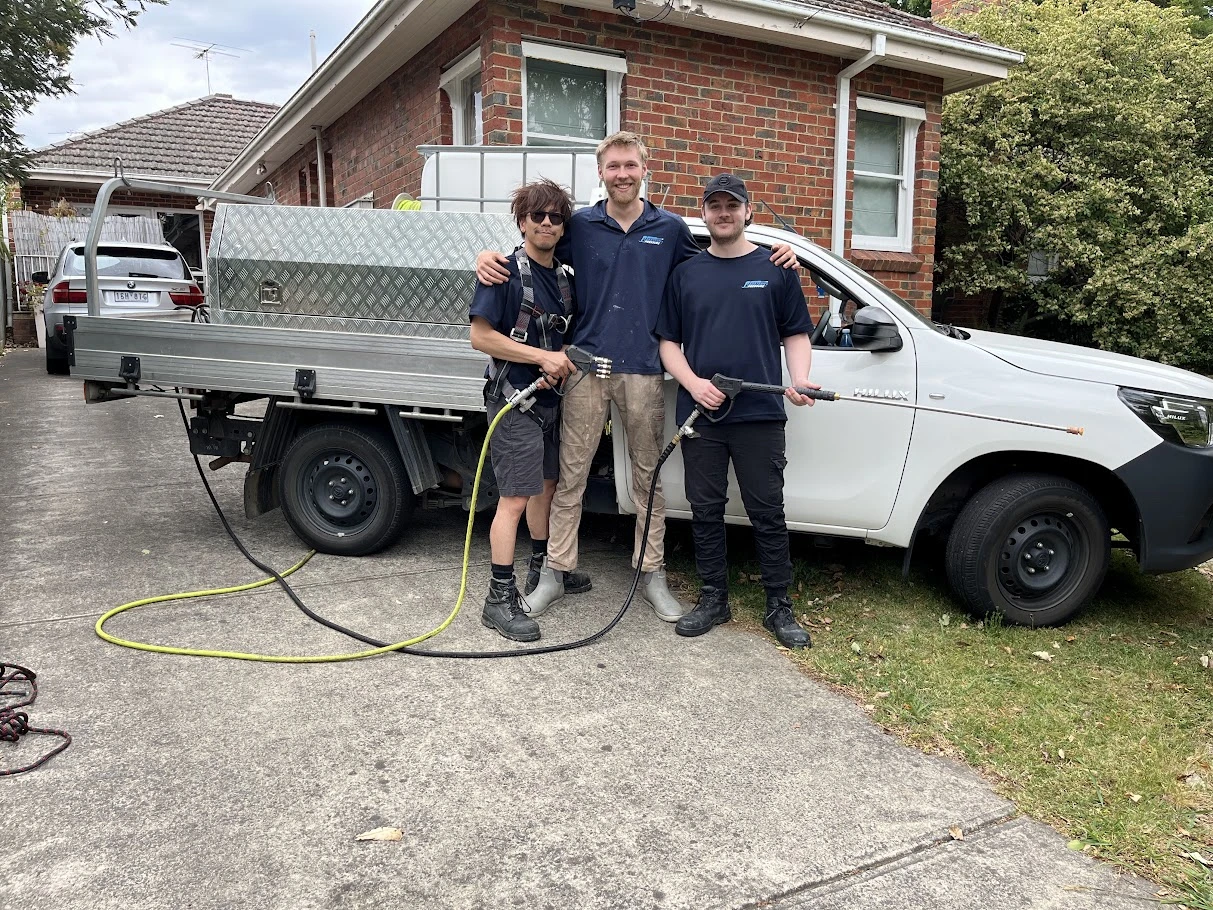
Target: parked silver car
[(135, 278)]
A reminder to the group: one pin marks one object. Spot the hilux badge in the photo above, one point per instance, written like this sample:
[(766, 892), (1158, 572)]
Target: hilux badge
[(887, 394)]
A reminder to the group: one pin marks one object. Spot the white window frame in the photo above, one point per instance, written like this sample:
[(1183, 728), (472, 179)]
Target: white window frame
[(454, 81), (912, 117), (614, 69)]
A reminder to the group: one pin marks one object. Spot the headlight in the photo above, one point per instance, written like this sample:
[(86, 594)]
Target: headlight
[(1183, 421)]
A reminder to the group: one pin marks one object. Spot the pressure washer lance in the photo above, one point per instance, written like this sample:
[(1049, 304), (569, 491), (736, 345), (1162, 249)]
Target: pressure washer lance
[(733, 387)]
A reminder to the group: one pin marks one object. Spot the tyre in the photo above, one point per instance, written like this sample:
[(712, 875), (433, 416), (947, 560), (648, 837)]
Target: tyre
[(1032, 547), (344, 489), (56, 366)]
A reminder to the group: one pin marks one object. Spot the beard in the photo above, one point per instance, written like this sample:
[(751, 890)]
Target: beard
[(623, 195)]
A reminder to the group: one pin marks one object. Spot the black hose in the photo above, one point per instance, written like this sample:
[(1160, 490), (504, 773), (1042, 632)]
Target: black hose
[(425, 652)]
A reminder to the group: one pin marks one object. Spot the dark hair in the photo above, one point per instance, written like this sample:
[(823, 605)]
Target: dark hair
[(542, 195)]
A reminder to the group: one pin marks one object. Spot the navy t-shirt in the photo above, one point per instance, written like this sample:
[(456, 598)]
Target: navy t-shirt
[(500, 303), (620, 278), (729, 316)]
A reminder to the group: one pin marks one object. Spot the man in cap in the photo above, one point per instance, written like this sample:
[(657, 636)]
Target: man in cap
[(726, 311)]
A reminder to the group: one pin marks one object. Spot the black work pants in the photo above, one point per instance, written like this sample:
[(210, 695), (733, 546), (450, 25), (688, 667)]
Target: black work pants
[(757, 453)]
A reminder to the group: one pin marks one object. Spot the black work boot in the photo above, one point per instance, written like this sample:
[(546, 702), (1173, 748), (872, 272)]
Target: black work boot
[(780, 623), (503, 612), (712, 610), (574, 582)]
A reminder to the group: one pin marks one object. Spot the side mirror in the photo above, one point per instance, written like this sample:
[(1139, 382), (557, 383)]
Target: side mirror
[(875, 330), (40, 278)]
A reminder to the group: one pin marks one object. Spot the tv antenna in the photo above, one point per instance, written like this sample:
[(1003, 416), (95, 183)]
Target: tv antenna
[(204, 50)]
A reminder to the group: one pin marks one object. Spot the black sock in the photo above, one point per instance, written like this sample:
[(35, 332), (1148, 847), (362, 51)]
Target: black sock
[(539, 547), (503, 573), (780, 592)]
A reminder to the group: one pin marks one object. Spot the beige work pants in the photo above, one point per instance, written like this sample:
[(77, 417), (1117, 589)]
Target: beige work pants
[(641, 404)]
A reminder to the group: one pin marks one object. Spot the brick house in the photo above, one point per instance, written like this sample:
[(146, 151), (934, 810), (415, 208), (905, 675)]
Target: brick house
[(188, 144), (748, 86)]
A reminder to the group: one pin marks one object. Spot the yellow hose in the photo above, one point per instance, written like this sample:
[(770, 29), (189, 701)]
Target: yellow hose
[(315, 659)]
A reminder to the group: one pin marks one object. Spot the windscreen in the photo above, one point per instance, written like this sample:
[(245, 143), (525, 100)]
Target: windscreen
[(124, 262)]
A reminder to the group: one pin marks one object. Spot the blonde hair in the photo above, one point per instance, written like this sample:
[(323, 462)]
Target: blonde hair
[(622, 139)]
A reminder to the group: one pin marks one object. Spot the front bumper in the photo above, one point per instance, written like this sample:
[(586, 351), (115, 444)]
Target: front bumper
[(1173, 489)]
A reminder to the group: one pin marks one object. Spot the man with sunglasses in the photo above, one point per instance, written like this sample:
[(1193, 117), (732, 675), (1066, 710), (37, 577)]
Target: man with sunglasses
[(622, 251), (523, 325)]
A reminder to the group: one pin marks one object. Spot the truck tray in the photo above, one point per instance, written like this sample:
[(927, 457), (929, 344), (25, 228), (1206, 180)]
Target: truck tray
[(436, 373)]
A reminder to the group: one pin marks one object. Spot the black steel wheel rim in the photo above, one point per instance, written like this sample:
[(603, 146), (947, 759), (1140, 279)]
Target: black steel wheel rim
[(338, 492), (1041, 560)]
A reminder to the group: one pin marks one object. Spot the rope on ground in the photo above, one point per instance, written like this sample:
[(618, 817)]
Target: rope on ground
[(15, 723)]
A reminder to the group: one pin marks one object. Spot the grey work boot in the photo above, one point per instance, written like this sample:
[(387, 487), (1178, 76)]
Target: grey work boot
[(655, 590), (713, 609), (547, 591), (574, 582), (503, 612)]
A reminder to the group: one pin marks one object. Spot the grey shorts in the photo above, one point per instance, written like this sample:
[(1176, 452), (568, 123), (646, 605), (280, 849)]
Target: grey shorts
[(524, 453)]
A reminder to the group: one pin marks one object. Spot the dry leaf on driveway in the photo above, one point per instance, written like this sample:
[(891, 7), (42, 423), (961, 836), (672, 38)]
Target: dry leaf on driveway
[(381, 834)]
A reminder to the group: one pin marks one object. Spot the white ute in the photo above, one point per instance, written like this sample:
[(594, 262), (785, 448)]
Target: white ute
[(1029, 514)]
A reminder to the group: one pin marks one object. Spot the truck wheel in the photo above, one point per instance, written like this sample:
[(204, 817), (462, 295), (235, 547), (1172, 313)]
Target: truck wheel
[(1032, 547), (344, 490)]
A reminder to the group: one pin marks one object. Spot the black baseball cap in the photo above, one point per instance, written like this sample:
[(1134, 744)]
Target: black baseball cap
[(727, 183)]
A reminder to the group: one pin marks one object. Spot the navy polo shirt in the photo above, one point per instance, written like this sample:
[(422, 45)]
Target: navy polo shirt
[(620, 278), (729, 316), (500, 304)]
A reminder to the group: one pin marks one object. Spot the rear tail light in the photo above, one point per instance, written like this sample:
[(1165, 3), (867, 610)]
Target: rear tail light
[(194, 297), (63, 293)]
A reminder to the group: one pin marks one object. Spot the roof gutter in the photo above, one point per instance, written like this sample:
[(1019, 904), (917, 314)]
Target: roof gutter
[(842, 139), (65, 175), (969, 48)]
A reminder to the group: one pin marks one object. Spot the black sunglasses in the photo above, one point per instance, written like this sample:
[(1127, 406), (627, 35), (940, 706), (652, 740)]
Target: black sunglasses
[(555, 217)]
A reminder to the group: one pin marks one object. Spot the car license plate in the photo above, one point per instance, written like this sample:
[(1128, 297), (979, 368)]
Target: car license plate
[(130, 297)]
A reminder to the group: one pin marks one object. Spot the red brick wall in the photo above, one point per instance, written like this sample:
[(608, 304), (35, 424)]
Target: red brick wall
[(703, 104)]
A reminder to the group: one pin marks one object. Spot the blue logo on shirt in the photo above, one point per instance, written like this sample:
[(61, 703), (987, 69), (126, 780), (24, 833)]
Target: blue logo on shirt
[(651, 239), (754, 284)]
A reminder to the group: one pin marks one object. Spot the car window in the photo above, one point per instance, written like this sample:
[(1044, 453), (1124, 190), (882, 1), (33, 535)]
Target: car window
[(123, 262)]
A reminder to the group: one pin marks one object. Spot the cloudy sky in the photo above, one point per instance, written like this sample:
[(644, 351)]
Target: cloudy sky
[(140, 71)]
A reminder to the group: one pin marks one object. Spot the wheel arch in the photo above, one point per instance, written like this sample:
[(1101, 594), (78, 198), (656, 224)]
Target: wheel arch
[(1116, 500)]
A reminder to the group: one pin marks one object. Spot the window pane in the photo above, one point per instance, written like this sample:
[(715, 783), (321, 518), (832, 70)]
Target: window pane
[(878, 143), (875, 207), (565, 100), (472, 112)]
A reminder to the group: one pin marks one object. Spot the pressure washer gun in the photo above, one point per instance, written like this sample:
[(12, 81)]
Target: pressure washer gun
[(583, 360), (732, 388)]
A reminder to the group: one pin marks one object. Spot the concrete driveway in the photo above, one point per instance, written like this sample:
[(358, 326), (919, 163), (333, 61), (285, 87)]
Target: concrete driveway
[(644, 771)]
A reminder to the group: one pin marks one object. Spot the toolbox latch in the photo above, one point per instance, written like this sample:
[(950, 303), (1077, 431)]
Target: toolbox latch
[(305, 383), (129, 370), (271, 293)]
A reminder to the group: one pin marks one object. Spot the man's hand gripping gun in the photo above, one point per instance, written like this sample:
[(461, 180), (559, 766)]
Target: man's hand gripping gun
[(583, 360)]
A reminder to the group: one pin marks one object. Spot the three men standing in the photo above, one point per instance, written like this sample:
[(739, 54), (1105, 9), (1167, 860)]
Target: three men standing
[(622, 251)]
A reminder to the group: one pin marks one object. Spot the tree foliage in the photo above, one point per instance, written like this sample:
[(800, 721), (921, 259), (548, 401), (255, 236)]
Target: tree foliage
[(37, 39), (1095, 158)]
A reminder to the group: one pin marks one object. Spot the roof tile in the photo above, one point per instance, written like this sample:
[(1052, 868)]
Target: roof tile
[(197, 139)]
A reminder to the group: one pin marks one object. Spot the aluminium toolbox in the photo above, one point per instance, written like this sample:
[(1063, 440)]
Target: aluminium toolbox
[(372, 271)]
